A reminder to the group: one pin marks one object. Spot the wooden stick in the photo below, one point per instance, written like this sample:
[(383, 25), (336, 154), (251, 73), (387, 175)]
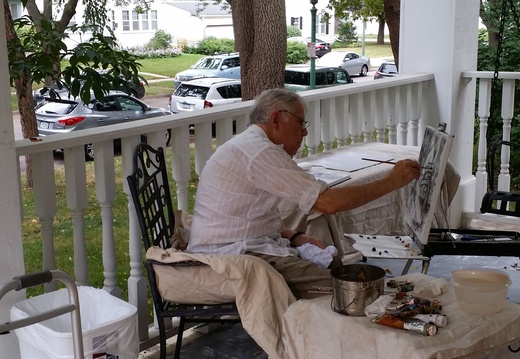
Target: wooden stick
[(379, 161), (390, 162)]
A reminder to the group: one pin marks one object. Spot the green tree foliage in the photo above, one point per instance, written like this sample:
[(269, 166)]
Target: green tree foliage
[(293, 31), (99, 53), (160, 40), (346, 34), (509, 60), (365, 10)]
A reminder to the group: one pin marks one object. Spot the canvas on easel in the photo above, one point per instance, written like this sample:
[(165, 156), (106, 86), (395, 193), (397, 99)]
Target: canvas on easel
[(425, 192)]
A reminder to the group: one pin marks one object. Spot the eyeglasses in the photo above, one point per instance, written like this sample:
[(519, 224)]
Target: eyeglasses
[(304, 124)]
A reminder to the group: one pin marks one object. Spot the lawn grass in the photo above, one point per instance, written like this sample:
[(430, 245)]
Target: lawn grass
[(371, 49)]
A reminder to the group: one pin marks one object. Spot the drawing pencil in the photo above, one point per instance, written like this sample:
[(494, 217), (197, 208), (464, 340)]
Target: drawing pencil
[(388, 162)]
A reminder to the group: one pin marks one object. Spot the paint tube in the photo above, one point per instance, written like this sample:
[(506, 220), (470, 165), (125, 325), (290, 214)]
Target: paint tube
[(439, 320), (411, 324)]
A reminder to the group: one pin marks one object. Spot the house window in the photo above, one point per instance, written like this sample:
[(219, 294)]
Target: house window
[(144, 20), (16, 11), (322, 27), (154, 19), (126, 20), (113, 22), (135, 20), (296, 22)]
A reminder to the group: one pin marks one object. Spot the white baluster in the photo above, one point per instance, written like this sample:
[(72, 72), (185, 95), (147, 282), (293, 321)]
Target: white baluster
[(484, 100), (106, 194), (326, 127), (312, 140), (368, 116), (181, 164), (389, 103), (44, 190), (508, 99), (356, 106), (76, 180), (137, 285)]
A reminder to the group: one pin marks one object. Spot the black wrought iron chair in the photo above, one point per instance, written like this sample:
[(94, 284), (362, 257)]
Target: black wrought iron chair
[(150, 191)]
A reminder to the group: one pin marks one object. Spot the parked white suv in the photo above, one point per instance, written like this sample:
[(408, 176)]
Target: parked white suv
[(222, 65), (203, 93)]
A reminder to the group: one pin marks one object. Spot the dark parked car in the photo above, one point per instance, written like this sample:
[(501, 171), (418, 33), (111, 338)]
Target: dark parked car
[(298, 77), (387, 69), (322, 47), (63, 93), (64, 115)]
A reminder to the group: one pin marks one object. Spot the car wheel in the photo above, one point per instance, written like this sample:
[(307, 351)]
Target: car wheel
[(89, 152), (168, 137), (364, 71)]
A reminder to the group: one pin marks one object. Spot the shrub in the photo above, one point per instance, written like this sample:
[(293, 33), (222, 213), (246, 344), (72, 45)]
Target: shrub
[(293, 31), (161, 40), (211, 45), (296, 53), (144, 52)]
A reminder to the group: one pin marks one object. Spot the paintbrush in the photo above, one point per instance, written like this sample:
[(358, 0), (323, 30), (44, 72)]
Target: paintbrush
[(389, 162)]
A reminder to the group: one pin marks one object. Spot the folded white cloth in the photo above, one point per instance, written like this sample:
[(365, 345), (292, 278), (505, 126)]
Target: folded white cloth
[(426, 287), (316, 255)]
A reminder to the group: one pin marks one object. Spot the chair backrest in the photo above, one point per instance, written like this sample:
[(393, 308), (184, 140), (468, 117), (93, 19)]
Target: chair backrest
[(151, 196)]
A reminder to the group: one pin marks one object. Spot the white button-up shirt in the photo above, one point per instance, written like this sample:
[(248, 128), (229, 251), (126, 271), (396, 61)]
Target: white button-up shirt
[(241, 185)]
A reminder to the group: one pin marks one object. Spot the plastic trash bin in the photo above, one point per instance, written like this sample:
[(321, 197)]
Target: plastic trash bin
[(109, 326)]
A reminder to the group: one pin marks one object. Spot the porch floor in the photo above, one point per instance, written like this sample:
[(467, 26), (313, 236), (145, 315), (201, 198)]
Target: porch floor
[(232, 342)]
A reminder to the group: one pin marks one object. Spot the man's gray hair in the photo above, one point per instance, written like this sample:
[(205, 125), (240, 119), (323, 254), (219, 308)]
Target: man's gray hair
[(273, 100)]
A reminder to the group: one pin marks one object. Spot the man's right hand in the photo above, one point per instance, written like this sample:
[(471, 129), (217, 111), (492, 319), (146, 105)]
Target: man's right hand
[(404, 172)]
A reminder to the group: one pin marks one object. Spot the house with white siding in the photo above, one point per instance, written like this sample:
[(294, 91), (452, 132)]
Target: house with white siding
[(188, 22)]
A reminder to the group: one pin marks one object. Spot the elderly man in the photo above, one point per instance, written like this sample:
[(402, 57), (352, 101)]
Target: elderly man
[(236, 206)]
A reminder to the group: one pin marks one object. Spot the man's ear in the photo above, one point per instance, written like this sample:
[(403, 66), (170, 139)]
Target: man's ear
[(274, 119)]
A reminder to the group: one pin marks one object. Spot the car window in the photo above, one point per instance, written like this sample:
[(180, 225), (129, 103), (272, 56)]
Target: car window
[(230, 63), (390, 69), (341, 78), (330, 77), (320, 79), (230, 91), (58, 108), (199, 92), (129, 104), (208, 63), (297, 78)]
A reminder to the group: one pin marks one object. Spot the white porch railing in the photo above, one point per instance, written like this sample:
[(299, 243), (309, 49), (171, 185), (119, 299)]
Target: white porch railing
[(387, 110), (506, 103)]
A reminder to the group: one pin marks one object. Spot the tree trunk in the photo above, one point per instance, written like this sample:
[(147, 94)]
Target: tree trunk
[(23, 92), (381, 30), (392, 16), (491, 22), (255, 24)]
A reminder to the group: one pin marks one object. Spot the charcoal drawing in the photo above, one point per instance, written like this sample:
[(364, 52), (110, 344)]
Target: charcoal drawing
[(424, 194)]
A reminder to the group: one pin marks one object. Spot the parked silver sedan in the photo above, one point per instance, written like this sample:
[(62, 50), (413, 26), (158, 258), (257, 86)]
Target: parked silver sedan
[(355, 64), (64, 115)]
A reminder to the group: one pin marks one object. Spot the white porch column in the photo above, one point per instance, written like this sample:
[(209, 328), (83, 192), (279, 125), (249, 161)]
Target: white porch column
[(441, 37), (11, 249)]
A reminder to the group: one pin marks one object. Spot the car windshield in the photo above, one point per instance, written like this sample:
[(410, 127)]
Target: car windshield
[(207, 63), (191, 91)]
